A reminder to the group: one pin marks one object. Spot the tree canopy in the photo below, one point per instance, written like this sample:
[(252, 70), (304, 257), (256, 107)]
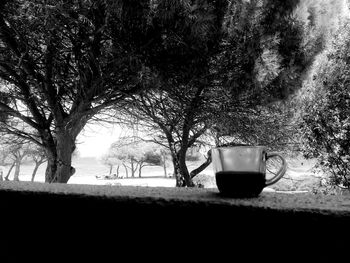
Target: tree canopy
[(61, 63), (325, 122), (251, 55), (133, 154), (180, 68)]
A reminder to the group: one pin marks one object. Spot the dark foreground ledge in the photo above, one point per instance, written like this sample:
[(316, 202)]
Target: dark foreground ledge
[(111, 219)]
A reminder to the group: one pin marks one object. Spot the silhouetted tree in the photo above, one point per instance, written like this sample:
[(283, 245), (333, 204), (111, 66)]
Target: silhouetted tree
[(38, 155), (62, 62), (222, 62), (134, 154), (14, 150)]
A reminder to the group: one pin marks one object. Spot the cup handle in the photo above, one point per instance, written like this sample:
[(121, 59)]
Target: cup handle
[(281, 171)]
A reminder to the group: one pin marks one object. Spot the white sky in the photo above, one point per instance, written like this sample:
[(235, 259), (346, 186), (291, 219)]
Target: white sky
[(95, 139)]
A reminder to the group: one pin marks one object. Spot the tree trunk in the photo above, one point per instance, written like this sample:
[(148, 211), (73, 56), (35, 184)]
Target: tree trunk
[(164, 165), (51, 168), (183, 169), (59, 168), (178, 156), (180, 182), (17, 170), (117, 171), (181, 173), (65, 148), (110, 169), (132, 168), (140, 168), (126, 170), (35, 170), (9, 171)]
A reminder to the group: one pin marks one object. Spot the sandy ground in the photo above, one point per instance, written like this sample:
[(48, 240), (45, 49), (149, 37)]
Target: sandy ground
[(146, 181), (87, 170), (79, 178)]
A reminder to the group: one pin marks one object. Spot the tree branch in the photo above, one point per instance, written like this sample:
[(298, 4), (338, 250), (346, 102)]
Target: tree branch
[(204, 165), (21, 134), (18, 115), (194, 137)]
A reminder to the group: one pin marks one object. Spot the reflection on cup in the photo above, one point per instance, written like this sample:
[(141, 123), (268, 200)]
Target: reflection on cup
[(240, 171)]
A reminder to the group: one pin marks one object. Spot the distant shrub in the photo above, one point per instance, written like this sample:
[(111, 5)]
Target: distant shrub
[(193, 155), (204, 181), (326, 187), (306, 183)]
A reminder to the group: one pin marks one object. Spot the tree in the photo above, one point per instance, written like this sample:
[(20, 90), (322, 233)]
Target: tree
[(236, 57), (18, 155), (326, 125), (38, 155), (129, 155), (61, 63), (188, 36), (271, 125), (151, 155), (287, 47), (266, 53), (133, 155), (14, 151), (110, 160), (3, 156), (15, 148), (174, 122), (165, 155)]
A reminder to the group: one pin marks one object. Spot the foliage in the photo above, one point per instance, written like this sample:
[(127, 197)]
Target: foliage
[(180, 68), (262, 56), (175, 110), (265, 59), (205, 181), (62, 62), (220, 79), (173, 119), (326, 123), (133, 155), (193, 155), (284, 60), (4, 99), (327, 187), (271, 125), (14, 151), (10, 145), (37, 154), (110, 160)]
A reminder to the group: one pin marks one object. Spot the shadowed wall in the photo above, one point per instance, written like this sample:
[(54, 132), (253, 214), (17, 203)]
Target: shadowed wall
[(144, 223)]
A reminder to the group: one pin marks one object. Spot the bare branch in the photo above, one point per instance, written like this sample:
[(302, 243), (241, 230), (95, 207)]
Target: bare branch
[(15, 113)]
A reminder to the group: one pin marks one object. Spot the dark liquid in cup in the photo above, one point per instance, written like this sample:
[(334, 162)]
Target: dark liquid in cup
[(240, 184)]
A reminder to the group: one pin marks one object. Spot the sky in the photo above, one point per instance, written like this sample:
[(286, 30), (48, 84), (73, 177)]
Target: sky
[(95, 139)]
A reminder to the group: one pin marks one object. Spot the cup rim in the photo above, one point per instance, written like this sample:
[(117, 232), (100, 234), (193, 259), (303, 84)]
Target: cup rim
[(238, 146)]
